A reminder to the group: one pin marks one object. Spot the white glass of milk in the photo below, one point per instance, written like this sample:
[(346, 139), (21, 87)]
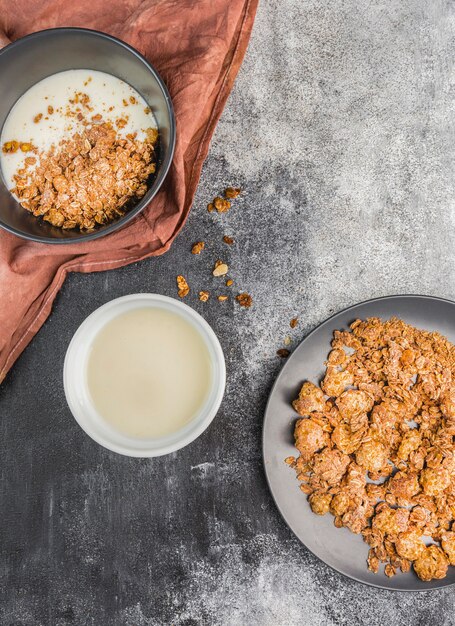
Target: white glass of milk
[(144, 375)]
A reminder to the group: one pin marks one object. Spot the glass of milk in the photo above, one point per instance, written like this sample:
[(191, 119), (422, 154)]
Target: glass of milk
[(144, 375)]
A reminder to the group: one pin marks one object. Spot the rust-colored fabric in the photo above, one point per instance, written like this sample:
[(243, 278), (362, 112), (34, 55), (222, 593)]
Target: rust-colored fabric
[(197, 46)]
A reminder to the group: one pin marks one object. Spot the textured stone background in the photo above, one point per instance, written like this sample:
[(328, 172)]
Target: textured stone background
[(340, 129)]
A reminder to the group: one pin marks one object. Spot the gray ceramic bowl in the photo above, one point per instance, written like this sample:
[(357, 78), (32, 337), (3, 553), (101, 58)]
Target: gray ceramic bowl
[(32, 58)]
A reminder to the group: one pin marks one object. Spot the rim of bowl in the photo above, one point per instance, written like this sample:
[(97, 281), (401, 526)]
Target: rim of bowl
[(187, 435), (165, 165)]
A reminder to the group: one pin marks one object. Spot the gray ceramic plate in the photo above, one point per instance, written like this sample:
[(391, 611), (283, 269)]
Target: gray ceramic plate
[(339, 548)]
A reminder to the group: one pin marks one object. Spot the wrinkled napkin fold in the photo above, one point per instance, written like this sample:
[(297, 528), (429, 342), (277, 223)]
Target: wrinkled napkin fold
[(197, 47)]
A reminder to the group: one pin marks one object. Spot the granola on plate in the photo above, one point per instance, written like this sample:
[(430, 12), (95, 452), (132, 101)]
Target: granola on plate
[(376, 444)]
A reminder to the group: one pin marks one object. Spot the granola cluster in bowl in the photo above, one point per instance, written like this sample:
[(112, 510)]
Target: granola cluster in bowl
[(88, 179), (376, 444)]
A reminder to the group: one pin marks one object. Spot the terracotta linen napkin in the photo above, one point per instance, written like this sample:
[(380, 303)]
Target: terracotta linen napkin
[(197, 46)]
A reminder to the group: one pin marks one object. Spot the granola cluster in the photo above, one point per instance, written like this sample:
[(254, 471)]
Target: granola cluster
[(88, 179), (376, 444)]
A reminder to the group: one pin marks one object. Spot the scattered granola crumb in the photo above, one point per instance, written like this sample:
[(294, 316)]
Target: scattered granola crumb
[(232, 192), (283, 353), (221, 205), (287, 340), (183, 287), (147, 110), (204, 296), (50, 109), (223, 298), (220, 269), (229, 282), (133, 100), (228, 240), (293, 323), (26, 147), (244, 299), (198, 247), (210, 208), (38, 118)]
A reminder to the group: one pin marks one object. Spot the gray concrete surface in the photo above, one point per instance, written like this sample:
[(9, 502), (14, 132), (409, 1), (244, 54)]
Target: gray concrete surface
[(340, 129)]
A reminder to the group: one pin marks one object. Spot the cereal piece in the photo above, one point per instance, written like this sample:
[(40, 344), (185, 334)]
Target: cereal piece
[(283, 353), (50, 109), (320, 503), (229, 282), (197, 247), (223, 298), (121, 122), (448, 545), (330, 465), (346, 440), (152, 135), (409, 544), (352, 402), (38, 118), (337, 357), (335, 382), (228, 240), (309, 437), (133, 100), (204, 296), (220, 269), (210, 208), (410, 442), (10, 147), (183, 288), (389, 570), (373, 562), (26, 147), (431, 564), (434, 480), (232, 192), (390, 521), (372, 455), (244, 299), (310, 399), (221, 205), (340, 503), (403, 486), (293, 323)]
